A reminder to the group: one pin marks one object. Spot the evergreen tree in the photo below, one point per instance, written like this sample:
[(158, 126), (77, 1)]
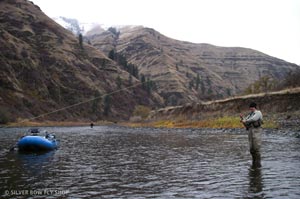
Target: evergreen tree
[(228, 90), (208, 81), (191, 84), (173, 100), (130, 68), (143, 80), (121, 60), (111, 54), (187, 74), (96, 102), (130, 79), (202, 87), (135, 71), (107, 105), (119, 82), (114, 31), (154, 86), (148, 86), (80, 40), (197, 81), (103, 63)]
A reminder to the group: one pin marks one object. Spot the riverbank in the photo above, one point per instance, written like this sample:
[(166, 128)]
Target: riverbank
[(281, 109), (222, 122), (229, 122), (56, 123)]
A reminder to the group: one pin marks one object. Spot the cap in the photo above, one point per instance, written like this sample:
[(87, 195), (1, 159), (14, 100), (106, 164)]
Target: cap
[(252, 105)]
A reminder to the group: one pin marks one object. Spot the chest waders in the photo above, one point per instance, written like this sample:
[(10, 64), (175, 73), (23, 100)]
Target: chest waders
[(254, 136)]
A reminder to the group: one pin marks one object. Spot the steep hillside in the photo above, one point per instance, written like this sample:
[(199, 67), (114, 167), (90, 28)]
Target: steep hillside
[(44, 67), (187, 72)]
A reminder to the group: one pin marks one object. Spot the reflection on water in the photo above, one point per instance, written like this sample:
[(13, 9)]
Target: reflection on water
[(118, 162), (255, 182), (34, 163)]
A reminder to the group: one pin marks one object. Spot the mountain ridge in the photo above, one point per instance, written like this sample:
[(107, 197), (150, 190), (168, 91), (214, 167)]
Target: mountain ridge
[(195, 71)]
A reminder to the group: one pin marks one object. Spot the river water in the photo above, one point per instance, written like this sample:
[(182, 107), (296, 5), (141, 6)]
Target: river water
[(121, 162)]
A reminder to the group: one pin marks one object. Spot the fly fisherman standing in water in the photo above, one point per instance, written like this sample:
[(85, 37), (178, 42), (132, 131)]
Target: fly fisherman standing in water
[(253, 123)]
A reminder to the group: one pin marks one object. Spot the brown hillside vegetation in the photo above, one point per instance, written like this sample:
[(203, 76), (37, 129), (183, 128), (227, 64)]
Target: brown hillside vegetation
[(187, 72), (44, 68)]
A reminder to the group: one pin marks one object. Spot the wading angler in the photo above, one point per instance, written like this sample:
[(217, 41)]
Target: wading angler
[(253, 122)]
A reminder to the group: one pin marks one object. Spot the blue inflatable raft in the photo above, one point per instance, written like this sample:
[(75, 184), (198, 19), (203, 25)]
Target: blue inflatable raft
[(36, 143)]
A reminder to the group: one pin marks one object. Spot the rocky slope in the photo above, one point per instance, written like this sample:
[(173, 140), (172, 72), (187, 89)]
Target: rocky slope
[(44, 67), (188, 72)]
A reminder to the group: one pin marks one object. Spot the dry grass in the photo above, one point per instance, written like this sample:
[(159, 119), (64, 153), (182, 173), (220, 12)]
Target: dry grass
[(222, 122)]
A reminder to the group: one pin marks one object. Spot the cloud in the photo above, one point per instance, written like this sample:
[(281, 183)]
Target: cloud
[(270, 26)]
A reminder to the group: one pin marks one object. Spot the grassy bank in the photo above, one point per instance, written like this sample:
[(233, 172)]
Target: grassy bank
[(222, 122)]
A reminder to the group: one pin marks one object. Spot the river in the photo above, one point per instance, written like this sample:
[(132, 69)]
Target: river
[(123, 162)]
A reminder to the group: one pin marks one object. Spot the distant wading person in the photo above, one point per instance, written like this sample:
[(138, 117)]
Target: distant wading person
[(253, 123)]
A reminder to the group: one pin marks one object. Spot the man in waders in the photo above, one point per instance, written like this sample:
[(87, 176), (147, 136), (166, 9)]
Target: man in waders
[(253, 123)]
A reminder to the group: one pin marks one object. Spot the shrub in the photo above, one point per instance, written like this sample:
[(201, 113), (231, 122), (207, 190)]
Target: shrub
[(142, 111)]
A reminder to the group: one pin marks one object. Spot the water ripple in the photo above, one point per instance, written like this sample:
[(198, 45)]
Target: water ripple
[(120, 162)]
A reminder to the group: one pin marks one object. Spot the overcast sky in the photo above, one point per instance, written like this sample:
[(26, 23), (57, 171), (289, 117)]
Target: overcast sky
[(270, 26)]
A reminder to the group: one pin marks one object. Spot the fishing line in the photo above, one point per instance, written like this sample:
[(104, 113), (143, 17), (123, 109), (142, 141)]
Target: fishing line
[(77, 104)]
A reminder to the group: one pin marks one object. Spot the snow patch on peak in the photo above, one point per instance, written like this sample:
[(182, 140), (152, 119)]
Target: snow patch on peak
[(75, 26), (90, 28)]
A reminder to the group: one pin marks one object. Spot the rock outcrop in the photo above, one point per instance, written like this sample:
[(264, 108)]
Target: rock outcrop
[(187, 72)]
